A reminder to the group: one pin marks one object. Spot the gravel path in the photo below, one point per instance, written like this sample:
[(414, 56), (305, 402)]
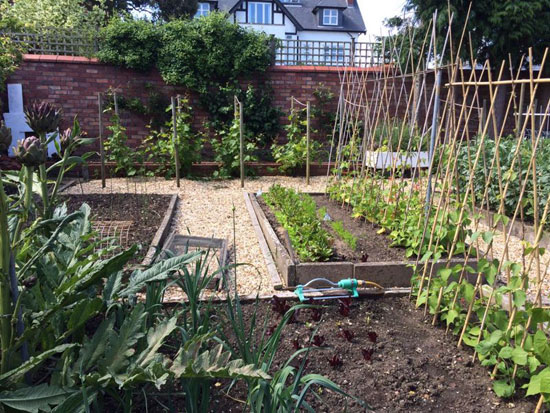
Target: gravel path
[(205, 209)]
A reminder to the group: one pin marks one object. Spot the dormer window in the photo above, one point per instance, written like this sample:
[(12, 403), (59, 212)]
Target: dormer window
[(330, 17), (259, 13), (203, 9)]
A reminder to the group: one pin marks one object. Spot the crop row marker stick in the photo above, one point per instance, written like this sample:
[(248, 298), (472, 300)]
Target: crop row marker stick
[(175, 140), (101, 148)]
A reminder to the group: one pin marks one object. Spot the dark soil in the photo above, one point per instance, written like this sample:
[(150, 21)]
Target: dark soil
[(146, 212), (371, 246), (414, 366)]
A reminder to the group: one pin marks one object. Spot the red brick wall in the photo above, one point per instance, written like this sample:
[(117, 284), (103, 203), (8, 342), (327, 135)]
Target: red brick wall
[(72, 83)]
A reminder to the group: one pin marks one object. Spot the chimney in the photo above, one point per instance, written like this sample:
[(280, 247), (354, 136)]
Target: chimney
[(350, 3)]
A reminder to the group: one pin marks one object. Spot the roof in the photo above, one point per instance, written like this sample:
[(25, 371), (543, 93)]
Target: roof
[(304, 17), (336, 4)]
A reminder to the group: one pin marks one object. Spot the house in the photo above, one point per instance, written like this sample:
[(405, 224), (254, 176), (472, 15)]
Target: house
[(315, 20)]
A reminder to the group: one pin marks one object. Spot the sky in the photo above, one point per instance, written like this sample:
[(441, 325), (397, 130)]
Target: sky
[(375, 11)]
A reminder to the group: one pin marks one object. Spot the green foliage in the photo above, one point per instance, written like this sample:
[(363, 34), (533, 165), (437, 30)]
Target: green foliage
[(232, 52), (322, 111), (10, 56), (130, 43), (118, 150), (343, 233), (178, 49), (154, 106), (297, 213), (514, 177), (403, 217), (293, 154), (39, 16), (397, 135), (338, 227), (261, 117), (289, 386), (174, 9), (497, 28), (159, 146), (227, 150)]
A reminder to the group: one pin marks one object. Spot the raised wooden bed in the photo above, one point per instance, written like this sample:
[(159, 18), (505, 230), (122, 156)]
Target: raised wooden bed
[(292, 272), (162, 232)]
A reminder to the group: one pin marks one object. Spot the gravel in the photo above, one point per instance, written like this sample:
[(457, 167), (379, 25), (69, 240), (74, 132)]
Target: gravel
[(206, 209)]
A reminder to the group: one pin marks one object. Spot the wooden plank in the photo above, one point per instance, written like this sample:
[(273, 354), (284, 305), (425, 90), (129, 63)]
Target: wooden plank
[(281, 256), (161, 233), (276, 279)]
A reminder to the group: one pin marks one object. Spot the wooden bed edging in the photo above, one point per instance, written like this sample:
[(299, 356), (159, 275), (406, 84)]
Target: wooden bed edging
[(162, 232)]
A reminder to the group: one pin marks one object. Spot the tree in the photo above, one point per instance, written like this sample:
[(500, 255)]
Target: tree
[(38, 15), (497, 27)]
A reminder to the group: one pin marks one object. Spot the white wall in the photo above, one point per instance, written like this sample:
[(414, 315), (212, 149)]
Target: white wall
[(326, 36)]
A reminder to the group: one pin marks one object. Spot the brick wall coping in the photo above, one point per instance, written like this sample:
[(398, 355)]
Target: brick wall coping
[(49, 58), (52, 58)]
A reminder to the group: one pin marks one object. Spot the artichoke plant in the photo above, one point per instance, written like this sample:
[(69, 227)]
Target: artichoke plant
[(30, 151), (42, 117), (66, 139), (5, 137)]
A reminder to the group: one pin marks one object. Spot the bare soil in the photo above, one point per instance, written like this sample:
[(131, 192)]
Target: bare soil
[(371, 246), (414, 366), (146, 212)]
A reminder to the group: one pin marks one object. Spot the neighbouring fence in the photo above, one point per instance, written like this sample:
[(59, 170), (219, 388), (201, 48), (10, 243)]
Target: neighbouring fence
[(287, 52), (328, 53), (64, 42)]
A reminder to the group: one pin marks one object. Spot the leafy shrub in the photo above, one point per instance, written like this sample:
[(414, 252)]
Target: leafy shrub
[(297, 213), (514, 178), (45, 15), (117, 149), (130, 43), (261, 117), (321, 111), (293, 154), (159, 146), (227, 150), (211, 51), (10, 56)]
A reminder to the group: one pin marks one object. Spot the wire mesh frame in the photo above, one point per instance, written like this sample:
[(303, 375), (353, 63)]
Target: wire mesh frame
[(112, 234)]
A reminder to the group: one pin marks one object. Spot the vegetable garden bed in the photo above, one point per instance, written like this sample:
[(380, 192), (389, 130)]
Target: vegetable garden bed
[(372, 259), (150, 217), (372, 350)]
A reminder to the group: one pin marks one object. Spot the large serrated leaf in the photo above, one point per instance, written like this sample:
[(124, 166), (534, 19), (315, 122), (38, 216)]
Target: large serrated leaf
[(34, 399), (155, 338), (190, 363), (121, 347), (157, 272), (16, 374)]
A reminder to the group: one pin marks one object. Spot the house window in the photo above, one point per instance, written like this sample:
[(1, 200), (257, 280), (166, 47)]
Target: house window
[(203, 9), (330, 17), (259, 13)]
